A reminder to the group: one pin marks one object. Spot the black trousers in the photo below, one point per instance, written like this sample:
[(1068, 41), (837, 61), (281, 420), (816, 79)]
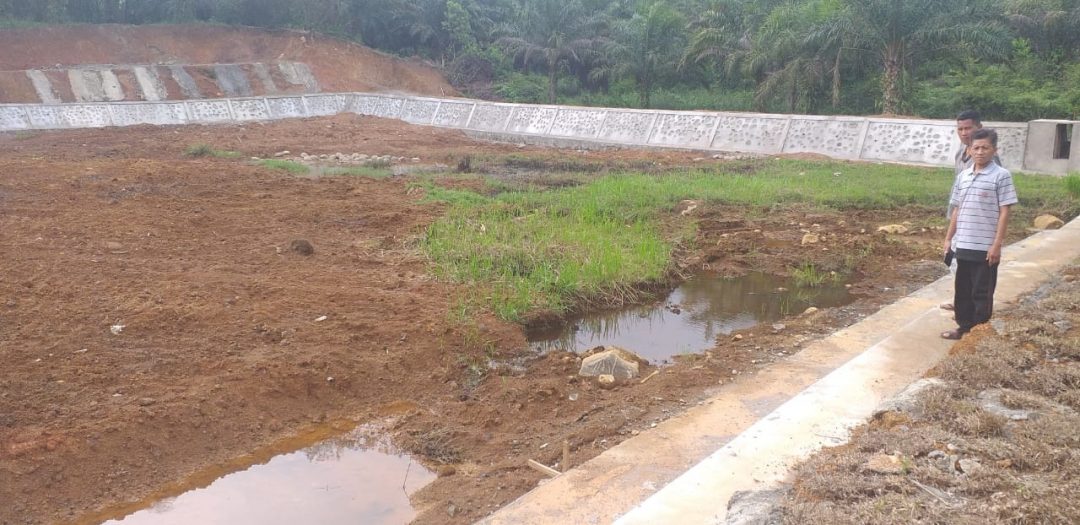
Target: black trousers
[(974, 296)]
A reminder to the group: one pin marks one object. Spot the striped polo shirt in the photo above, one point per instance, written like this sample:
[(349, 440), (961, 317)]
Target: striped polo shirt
[(979, 196)]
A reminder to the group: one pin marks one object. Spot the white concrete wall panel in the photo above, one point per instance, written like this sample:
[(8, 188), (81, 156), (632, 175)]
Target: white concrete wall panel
[(286, 107), (323, 105), (184, 80), (13, 118), (388, 107), (578, 123), (85, 116), (364, 104), (454, 114), (490, 117), (250, 109), (262, 71), (45, 117), (85, 85), (144, 113), (833, 137), (534, 120), (43, 87), (149, 84), (750, 133), (207, 111), (111, 86), (627, 126), (1012, 143), (419, 111), (917, 141), (684, 130)]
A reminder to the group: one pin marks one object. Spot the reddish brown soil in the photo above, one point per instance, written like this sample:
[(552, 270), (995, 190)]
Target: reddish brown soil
[(221, 354), (338, 65)]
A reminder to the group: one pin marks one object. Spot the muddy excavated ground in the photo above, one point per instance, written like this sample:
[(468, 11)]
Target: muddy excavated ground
[(222, 358)]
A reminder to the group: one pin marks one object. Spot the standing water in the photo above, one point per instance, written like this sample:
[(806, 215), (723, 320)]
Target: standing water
[(691, 317), (348, 480)]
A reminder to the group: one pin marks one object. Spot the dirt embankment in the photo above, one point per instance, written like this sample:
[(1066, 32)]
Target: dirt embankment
[(337, 65)]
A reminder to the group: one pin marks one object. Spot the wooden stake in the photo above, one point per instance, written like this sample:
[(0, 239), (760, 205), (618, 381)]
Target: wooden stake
[(544, 469), (565, 466), (650, 376)]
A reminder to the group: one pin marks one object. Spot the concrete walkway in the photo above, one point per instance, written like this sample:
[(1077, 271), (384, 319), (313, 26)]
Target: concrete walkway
[(753, 431)]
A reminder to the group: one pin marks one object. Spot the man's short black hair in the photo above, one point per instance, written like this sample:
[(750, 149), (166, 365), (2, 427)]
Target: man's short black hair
[(971, 115), (983, 134)]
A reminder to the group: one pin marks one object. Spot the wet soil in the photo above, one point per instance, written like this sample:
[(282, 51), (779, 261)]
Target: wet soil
[(155, 328)]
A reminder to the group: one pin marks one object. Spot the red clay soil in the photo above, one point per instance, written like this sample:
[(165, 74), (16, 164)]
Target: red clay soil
[(221, 353), (337, 64)]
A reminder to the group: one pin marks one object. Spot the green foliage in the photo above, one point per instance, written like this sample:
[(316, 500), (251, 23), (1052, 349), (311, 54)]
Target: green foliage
[(807, 276), (205, 150), (285, 165), (1072, 185)]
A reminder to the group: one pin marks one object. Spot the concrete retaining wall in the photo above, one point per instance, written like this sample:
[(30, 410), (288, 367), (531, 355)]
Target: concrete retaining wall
[(931, 142)]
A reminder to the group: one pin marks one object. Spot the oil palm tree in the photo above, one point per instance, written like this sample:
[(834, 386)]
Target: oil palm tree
[(553, 32), (644, 47)]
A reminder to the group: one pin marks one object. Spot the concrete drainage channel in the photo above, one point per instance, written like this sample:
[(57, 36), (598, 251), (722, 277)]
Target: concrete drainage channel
[(741, 444)]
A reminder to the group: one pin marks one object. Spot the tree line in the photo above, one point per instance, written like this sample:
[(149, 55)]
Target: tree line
[(1012, 59)]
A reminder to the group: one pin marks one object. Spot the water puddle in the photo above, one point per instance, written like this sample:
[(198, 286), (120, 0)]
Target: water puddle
[(355, 478), (691, 317)]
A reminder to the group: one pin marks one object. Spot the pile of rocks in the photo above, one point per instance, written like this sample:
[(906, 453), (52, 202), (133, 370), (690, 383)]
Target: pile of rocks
[(346, 158)]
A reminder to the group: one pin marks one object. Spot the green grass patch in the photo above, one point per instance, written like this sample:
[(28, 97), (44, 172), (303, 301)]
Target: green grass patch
[(807, 276), (373, 172), (528, 248), (205, 150), (1072, 185), (285, 165)]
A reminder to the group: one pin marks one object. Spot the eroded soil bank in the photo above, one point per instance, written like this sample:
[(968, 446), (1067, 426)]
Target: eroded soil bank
[(222, 354)]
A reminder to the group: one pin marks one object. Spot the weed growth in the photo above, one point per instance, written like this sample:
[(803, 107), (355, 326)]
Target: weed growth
[(286, 165), (205, 150)]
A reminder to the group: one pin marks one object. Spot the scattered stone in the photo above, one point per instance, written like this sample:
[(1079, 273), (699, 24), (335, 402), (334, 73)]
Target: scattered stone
[(737, 337), (614, 361), (116, 329), (1048, 222), (897, 229), (113, 246), (778, 327), (810, 238), (606, 381), (969, 466), (883, 464), (302, 247), (146, 401), (756, 507), (990, 401), (451, 510), (282, 153), (907, 400), (810, 311)]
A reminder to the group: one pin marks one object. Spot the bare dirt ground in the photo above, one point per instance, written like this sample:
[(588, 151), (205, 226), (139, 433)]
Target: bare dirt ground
[(995, 440), (221, 359), (338, 65)]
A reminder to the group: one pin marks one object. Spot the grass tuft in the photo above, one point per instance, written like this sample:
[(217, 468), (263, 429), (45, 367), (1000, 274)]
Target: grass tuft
[(286, 165), (205, 150)]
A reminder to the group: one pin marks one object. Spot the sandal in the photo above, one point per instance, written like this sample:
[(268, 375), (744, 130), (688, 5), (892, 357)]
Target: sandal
[(952, 334)]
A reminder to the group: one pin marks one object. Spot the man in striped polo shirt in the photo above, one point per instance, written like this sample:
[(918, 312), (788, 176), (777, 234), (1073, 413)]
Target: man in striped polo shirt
[(981, 199)]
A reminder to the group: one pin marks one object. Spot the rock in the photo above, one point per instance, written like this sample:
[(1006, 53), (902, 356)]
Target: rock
[(606, 381), (810, 238), (146, 401), (758, 507), (1048, 222), (687, 207), (778, 327), (990, 401), (969, 466), (810, 311), (302, 247), (617, 362), (113, 245), (282, 153), (737, 337), (451, 510), (907, 401), (883, 464), (893, 228), (116, 329)]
